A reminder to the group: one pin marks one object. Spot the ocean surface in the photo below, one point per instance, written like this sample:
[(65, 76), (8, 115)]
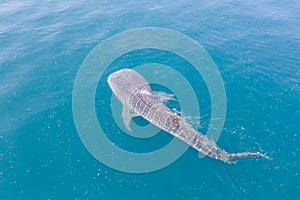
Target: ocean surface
[(255, 46)]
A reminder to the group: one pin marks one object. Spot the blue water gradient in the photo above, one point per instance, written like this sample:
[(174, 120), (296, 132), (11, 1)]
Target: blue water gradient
[(255, 45)]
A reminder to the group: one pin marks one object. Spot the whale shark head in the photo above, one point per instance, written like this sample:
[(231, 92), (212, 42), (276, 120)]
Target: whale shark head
[(124, 82)]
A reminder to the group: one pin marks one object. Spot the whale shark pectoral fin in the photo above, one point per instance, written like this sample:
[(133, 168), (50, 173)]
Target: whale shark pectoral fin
[(127, 114), (163, 97)]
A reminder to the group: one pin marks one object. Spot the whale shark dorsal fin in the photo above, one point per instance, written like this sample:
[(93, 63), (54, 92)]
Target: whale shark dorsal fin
[(127, 114)]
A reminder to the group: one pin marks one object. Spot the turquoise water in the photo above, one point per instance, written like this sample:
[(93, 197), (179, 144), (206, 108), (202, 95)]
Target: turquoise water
[(255, 46)]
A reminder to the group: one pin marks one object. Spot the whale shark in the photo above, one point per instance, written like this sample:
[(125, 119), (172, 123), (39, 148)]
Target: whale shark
[(138, 99)]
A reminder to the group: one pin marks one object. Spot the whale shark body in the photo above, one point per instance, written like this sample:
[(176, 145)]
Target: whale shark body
[(138, 99)]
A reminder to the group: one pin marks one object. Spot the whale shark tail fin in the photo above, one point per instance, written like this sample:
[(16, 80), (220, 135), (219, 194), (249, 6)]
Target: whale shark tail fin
[(234, 157)]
